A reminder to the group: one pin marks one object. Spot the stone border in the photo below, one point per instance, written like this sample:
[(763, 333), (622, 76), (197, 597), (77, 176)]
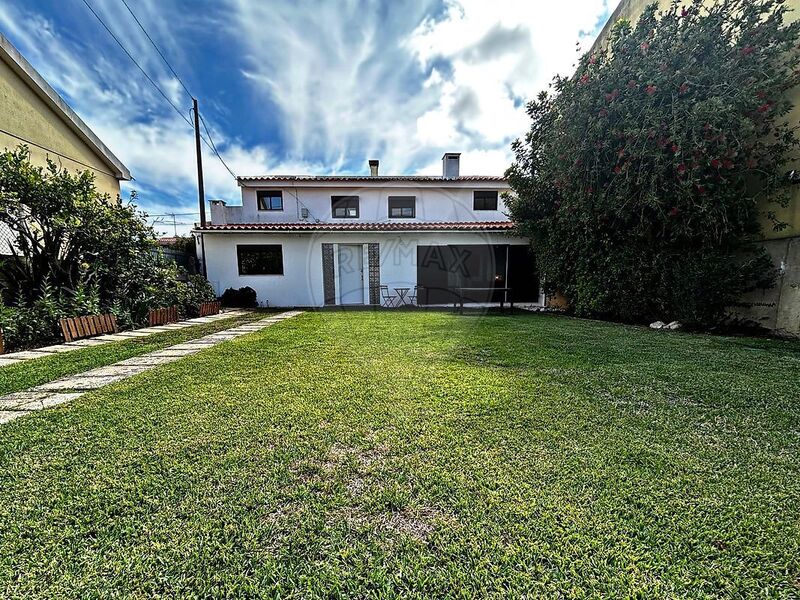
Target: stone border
[(69, 388), (14, 358)]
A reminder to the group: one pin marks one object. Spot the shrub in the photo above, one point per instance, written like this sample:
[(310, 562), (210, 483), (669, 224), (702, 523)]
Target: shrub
[(244, 297), (640, 180), (78, 252)]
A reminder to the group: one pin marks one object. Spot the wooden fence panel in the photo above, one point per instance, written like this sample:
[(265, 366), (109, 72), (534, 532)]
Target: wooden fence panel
[(210, 308), (76, 328), (162, 316)]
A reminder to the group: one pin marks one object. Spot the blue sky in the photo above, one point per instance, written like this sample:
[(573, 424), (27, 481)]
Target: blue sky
[(302, 86)]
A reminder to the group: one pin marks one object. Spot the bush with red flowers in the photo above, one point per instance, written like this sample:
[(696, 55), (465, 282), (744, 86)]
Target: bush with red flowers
[(643, 176)]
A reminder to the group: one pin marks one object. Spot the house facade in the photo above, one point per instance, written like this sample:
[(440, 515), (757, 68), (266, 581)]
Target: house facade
[(32, 113), (778, 308), (369, 240)]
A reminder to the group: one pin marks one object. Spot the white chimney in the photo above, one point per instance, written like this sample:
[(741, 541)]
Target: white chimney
[(450, 164), (373, 167)]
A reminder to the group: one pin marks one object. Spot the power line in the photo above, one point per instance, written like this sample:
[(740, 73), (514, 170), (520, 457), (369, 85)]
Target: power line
[(161, 54), (214, 148), (211, 145), (150, 79)]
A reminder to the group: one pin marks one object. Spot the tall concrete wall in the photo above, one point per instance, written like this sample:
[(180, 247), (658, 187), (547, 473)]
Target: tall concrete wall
[(777, 309)]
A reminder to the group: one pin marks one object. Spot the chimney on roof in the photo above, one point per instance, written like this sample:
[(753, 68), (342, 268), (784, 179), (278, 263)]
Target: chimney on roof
[(450, 164), (373, 167)]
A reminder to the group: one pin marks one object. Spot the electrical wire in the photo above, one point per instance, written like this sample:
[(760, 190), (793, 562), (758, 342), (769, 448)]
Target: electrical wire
[(210, 144), (214, 148), (124, 49), (161, 54)]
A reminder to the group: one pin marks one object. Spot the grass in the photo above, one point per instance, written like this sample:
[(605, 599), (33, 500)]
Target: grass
[(24, 375), (418, 455)]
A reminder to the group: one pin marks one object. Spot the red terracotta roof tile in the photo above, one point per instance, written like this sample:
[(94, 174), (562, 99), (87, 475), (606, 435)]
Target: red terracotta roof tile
[(370, 178)]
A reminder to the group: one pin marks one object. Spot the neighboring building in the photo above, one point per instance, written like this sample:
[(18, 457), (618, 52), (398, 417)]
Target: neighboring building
[(777, 309), (32, 113), (335, 240)]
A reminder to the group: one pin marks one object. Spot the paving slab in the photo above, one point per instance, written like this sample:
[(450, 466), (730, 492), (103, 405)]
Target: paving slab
[(4, 362), (50, 400), (118, 369), (8, 415), (147, 360), (80, 382)]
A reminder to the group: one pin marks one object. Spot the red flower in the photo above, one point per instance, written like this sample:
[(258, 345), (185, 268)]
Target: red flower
[(610, 97), (761, 95), (650, 89), (683, 89), (584, 78), (681, 169), (645, 46), (701, 189), (593, 60), (675, 149), (591, 191), (617, 170), (748, 50), (752, 163), (603, 113), (632, 84), (716, 163), (685, 12), (727, 163), (765, 107), (674, 211)]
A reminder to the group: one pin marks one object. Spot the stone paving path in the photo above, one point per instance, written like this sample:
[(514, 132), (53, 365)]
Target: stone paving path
[(17, 357), (68, 388)]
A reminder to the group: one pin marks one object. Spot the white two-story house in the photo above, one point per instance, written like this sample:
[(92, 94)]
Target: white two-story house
[(314, 241)]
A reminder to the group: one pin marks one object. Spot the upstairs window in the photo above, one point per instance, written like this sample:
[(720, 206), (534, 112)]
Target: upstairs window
[(260, 259), (344, 207), (402, 207), (485, 200), (270, 199)]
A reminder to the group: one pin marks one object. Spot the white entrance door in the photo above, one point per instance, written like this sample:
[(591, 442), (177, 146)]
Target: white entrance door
[(351, 274)]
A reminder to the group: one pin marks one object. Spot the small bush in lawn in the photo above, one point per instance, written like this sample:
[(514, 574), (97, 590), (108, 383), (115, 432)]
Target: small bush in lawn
[(244, 297)]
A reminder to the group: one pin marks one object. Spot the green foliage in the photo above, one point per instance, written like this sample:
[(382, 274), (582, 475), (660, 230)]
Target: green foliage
[(78, 252), (641, 179)]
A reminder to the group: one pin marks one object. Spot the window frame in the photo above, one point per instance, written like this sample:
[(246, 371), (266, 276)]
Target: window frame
[(251, 247), (261, 194), (349, 199), (476, 199), (409, 199)]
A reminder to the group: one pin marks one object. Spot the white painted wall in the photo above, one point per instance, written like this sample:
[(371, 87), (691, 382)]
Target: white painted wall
[(301, 283), (450, 202)]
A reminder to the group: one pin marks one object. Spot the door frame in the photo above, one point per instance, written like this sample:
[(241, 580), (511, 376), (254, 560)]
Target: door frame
[(364, 266)]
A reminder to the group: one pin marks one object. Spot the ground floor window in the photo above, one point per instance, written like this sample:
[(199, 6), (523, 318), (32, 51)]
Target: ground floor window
[(260, 259)]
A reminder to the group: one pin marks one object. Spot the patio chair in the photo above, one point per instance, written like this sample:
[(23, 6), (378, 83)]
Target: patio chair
[(412, 297), (387, 299)]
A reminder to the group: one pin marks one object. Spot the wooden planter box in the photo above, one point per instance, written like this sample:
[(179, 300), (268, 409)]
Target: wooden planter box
[(210, 308), (76, 328), (162, 316)]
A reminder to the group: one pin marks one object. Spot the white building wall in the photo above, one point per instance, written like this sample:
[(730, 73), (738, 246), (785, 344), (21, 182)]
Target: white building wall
[(448, 204), (301, 284)]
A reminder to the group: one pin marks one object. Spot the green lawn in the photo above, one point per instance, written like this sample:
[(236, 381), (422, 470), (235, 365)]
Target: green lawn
[(24, 375), (418, 455)]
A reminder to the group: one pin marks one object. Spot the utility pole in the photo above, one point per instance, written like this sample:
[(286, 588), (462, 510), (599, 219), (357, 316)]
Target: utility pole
[(201, 195)]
